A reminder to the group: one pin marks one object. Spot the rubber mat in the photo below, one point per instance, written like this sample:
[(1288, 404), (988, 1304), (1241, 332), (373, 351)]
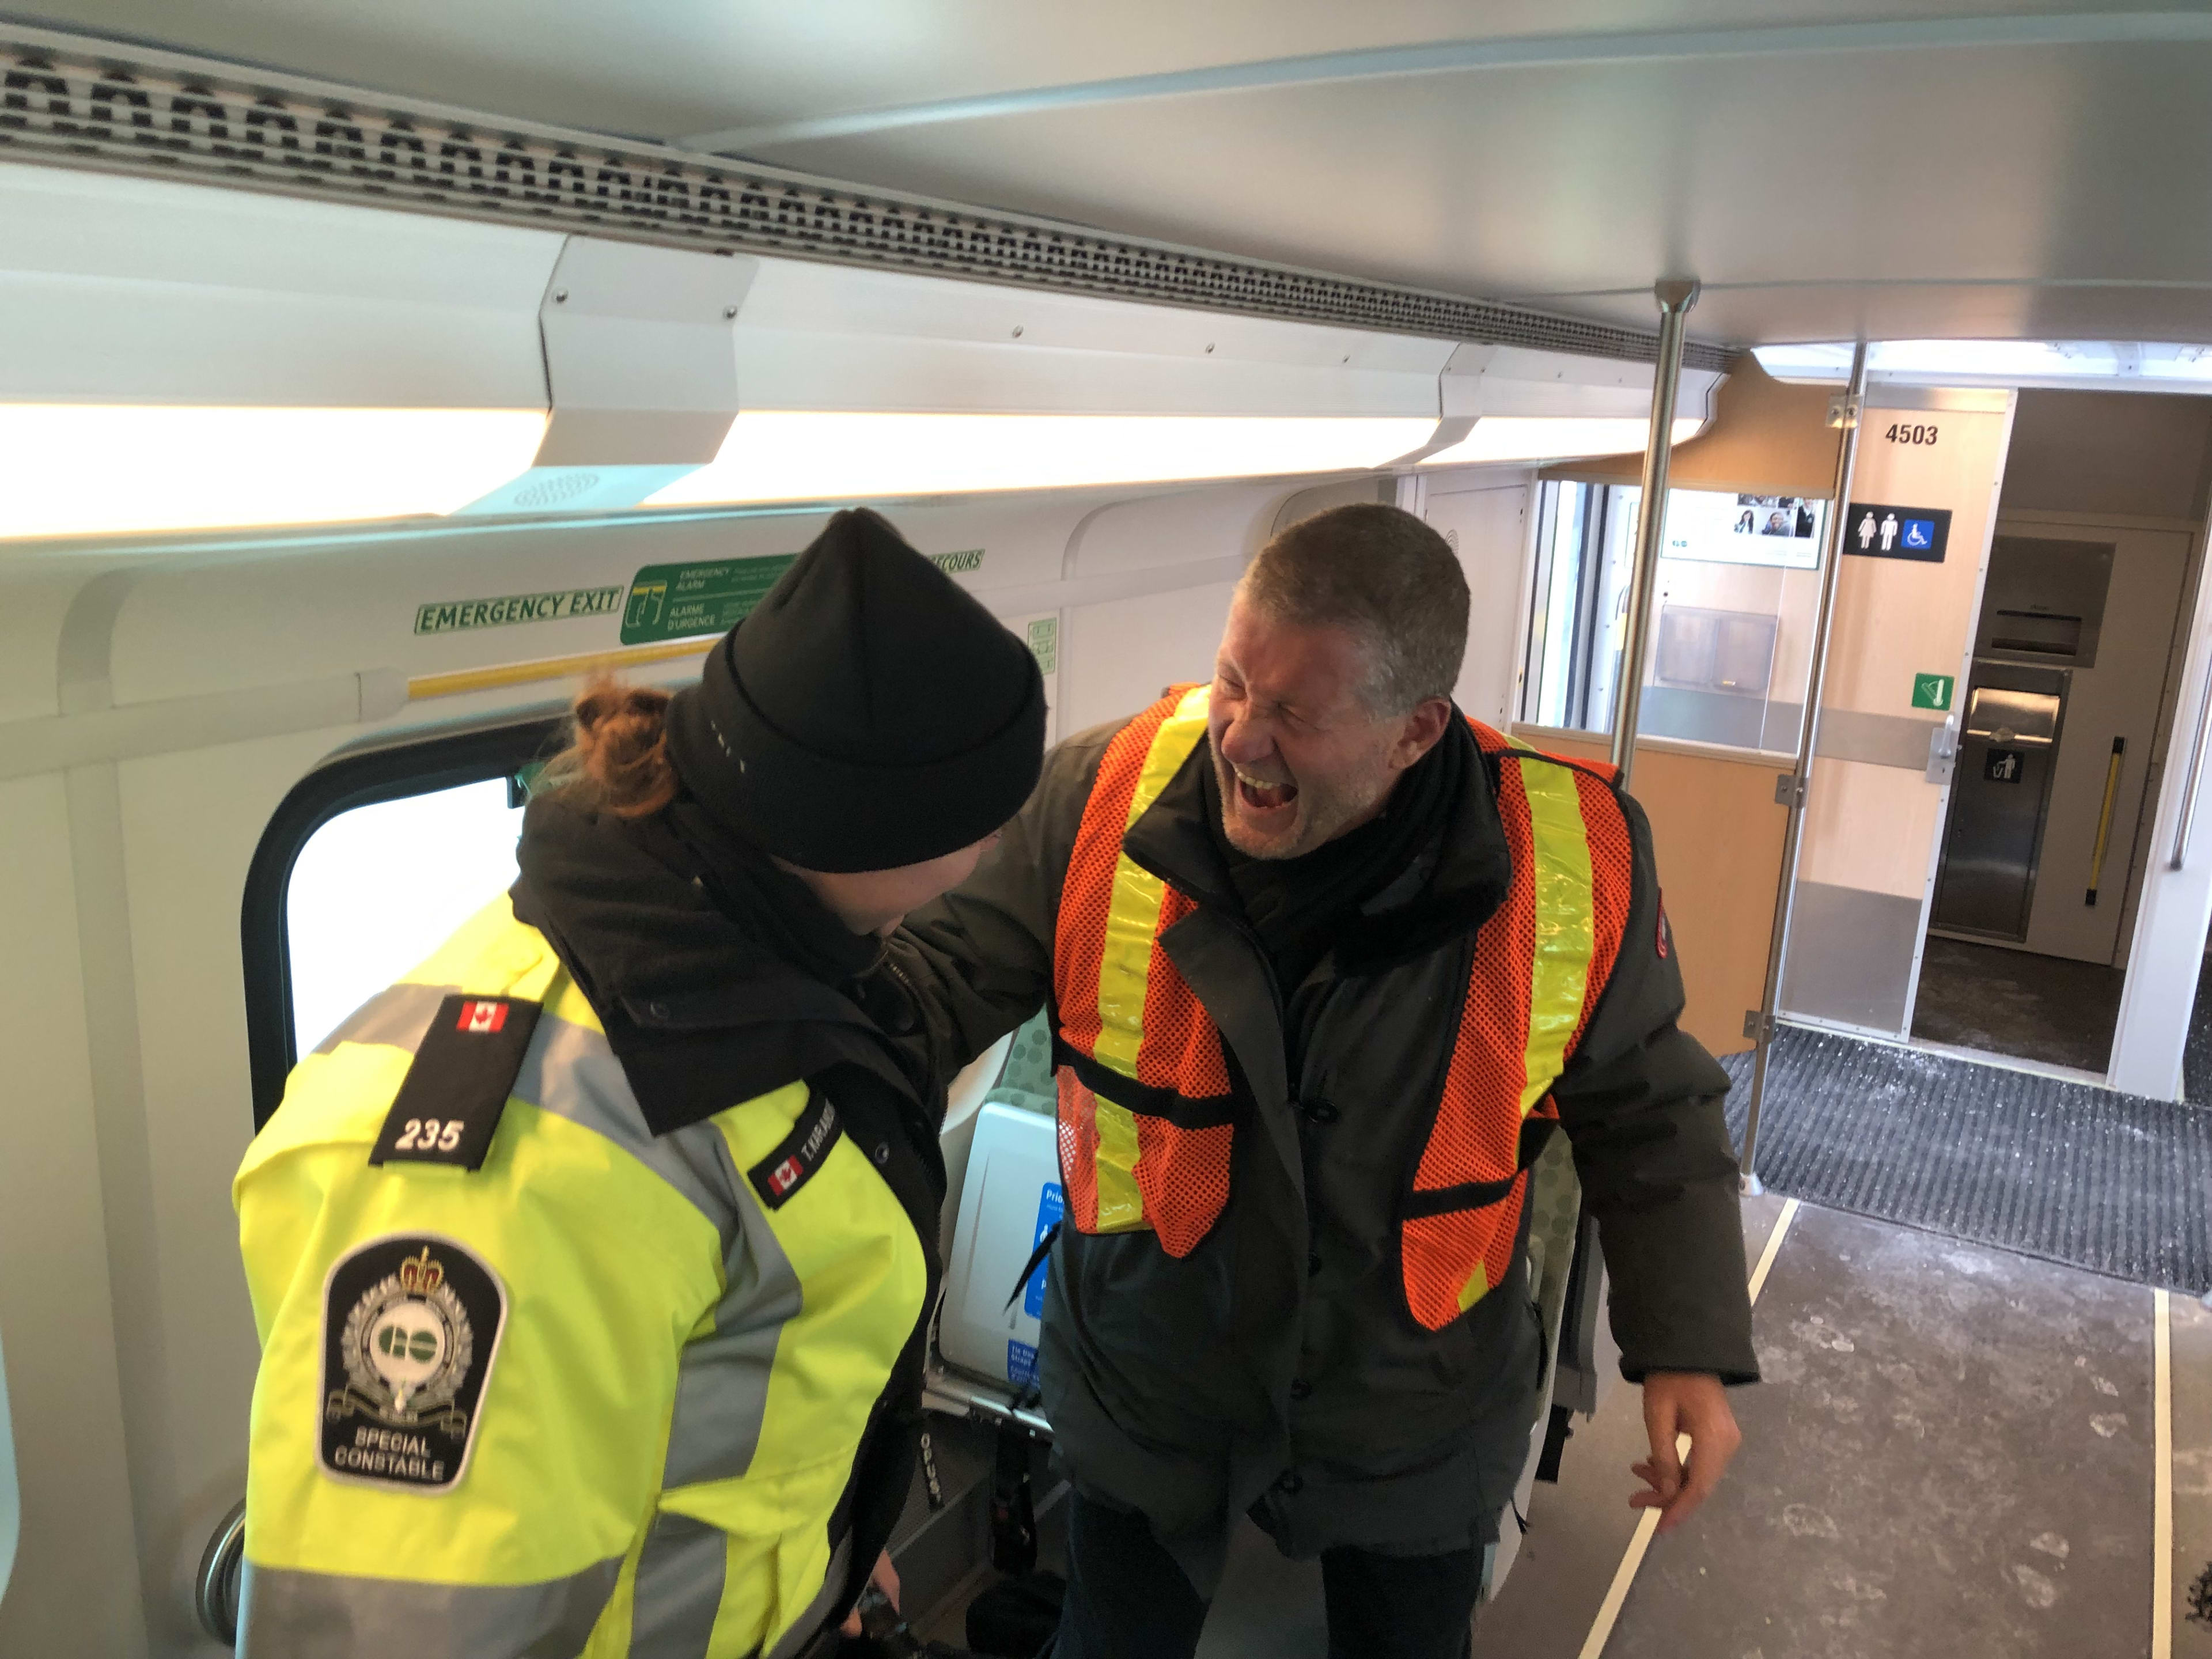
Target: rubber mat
[(2112, 1182)]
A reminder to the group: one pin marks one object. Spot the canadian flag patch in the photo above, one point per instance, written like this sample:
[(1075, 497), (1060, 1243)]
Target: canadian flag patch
[(480, 1017), (798, 1155)]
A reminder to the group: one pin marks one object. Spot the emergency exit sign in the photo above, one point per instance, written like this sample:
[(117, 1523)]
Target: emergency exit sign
[(1933, 690)]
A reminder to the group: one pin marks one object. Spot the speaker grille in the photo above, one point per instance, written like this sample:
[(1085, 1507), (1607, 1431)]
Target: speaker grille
[(82, 102)]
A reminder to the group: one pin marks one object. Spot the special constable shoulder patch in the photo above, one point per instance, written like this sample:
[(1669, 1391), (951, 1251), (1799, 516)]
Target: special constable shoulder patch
[(410, 1327), (797, 1156)]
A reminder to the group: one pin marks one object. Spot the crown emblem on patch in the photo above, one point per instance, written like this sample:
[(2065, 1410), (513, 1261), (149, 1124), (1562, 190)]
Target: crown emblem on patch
[(419, 1275)]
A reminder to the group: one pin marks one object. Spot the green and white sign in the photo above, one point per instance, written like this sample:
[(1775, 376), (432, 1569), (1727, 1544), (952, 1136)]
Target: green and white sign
[(1044, 643), (677, 601), (681, 601), (1933, 690), (450, 616)]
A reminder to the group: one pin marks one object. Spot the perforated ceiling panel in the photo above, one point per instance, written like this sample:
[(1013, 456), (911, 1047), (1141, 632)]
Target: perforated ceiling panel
[(88, 104)]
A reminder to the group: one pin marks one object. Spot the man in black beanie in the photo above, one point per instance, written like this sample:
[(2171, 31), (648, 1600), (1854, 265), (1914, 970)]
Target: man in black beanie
[(612, 1230)]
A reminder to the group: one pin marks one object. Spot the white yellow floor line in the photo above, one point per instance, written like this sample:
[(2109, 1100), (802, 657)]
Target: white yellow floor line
[(1616, 1595), (2161, 1501)]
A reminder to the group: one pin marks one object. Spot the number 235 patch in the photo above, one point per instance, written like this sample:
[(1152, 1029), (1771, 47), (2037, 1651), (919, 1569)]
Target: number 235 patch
[(449, 1105)]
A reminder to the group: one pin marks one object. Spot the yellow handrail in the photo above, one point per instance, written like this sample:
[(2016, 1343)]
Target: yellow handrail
[(550, 668), (2104, 818)]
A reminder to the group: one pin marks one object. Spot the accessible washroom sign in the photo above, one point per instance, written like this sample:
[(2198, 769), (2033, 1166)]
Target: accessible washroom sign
[(1880, 531)]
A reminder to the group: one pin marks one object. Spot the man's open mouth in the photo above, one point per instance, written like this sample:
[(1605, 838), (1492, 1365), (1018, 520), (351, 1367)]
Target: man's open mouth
[(1264, 797)]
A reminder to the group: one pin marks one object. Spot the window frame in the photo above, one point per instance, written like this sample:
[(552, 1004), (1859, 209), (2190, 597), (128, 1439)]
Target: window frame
[(338, 786)]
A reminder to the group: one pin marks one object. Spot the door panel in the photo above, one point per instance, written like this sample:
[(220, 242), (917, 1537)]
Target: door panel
[(1717, 835), (2117, 696), (1875, 811)]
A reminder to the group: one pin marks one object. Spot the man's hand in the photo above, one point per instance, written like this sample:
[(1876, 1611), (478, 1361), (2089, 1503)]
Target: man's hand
[(1693, 1406), (884, 1577)]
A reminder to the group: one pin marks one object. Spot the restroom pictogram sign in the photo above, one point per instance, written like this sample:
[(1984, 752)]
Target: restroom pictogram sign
[(1879, 530)]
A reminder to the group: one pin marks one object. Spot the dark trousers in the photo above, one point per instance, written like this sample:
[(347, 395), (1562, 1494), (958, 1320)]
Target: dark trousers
[(1126, 1598)]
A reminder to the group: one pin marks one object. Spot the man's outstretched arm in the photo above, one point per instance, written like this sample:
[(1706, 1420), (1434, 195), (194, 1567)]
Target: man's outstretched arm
[(978, 962)]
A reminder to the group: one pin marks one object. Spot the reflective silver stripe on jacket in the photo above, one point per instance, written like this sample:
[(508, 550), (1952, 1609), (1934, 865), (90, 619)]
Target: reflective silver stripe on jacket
[(722, 1380), (680, 1574), (283, 1614)]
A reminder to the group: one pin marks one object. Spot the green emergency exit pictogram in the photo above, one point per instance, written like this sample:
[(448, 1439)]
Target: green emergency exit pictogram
[(1929, 691)]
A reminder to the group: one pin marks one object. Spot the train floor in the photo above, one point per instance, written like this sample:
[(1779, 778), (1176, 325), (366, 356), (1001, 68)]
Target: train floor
[(1956, 1450), (2045, 1009)]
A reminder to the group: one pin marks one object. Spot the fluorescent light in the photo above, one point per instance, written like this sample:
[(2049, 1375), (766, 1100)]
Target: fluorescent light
[(791, 455), (1551, 438), (1997, 363), (79, 470)]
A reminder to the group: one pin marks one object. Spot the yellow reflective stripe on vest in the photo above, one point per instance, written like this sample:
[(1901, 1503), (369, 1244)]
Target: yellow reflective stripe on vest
[(1565, 922), (1133, 917), (1120, 1203)]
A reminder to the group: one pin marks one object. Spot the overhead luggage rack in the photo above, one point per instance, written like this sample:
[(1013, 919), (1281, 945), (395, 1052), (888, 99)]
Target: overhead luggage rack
[(76, 101)]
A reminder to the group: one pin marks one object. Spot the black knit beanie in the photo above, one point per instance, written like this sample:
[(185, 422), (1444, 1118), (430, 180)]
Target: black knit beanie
[(869, 714)]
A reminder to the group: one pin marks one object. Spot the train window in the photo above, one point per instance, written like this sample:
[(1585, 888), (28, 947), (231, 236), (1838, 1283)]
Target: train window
[(365, 868), (378, 889), (1738, 587)]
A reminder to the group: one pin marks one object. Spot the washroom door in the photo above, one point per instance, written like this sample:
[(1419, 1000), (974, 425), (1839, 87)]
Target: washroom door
[(1916, 540)]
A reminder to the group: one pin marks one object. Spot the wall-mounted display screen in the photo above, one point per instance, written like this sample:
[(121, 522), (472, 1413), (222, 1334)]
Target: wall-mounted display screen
[(1731, 529)]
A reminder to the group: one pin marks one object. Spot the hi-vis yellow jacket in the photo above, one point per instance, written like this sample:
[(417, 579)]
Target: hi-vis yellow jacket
[(602, 1394)]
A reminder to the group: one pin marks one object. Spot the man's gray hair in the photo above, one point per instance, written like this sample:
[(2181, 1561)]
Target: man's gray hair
[(1383, 574)]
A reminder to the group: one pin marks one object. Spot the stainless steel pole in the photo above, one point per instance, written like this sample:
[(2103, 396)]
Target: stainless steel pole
[(1845, 414), (1675, 297)]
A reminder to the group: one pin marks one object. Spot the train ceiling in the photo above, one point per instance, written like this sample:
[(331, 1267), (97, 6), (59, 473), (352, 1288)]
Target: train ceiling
[(1951, 169)]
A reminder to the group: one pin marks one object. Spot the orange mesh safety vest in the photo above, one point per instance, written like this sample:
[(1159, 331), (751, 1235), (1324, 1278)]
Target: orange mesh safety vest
[(1146, 1113)]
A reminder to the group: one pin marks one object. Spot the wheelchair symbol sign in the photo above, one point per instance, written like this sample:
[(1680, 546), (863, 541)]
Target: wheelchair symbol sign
[(1875, 530)]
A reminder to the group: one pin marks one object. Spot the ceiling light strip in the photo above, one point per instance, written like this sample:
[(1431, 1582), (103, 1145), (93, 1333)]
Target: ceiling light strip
[(76, 101)]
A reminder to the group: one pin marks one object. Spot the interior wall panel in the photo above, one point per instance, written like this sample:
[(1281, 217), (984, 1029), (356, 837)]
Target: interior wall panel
[(189, 823), (1486, 522), (75, 1587), (1122, 655)]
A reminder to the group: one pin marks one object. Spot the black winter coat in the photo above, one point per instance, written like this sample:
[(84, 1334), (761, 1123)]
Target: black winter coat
[(1278, 1367)]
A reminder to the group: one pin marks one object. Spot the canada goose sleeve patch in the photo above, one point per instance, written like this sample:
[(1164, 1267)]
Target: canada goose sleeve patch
[(797, 1156), (448, 1107), (410, 1327)]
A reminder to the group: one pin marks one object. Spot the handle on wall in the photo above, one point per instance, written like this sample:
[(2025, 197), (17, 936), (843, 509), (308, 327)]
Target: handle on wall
[(2104, 818), (215, 1587), (2188, 822)]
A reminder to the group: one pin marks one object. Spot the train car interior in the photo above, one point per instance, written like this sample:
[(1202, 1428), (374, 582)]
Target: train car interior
[(1819, 404)]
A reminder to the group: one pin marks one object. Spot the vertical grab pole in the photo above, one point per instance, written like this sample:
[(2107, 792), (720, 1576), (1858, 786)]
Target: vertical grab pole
[(1845, 413), (1675, 297)]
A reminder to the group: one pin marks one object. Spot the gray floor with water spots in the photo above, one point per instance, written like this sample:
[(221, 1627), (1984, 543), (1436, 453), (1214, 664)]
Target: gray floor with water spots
[(1952, 1455)]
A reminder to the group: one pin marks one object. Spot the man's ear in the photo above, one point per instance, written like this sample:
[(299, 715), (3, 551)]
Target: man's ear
[(1424, 726)]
